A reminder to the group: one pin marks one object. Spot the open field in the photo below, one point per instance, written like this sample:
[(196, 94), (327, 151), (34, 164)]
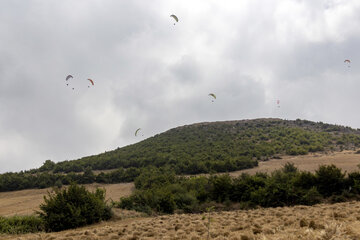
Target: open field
[(346, 160), (322, 222), (25, 202)]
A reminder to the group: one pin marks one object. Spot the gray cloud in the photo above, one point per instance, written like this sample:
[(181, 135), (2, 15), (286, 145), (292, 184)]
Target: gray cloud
[(152, 74)]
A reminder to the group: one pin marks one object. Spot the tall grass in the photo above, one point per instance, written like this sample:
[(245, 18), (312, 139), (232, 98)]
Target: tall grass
[(21, 224)]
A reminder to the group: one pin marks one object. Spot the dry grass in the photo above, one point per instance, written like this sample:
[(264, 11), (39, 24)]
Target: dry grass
[(320, 222), (346, 160), (25, 202)]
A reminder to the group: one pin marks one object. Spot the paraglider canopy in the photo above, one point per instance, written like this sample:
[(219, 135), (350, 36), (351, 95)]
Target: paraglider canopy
[(348, 62), (92, 82), (68, 77), (175, 17), (212, 95), (137, 130)]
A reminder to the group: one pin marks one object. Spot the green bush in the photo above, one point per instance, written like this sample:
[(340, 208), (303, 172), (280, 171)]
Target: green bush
[(21, 224), (311, 197), (289, 168), (329, 180), (165, 202), (73, 207), (158, 193)]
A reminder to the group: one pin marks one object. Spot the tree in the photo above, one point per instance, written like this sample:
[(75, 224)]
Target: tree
[(47, 166), (330, 180), (73, 207)]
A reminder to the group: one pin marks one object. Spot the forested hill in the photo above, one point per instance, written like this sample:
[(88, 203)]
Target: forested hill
[(220, 146), (192, 149)]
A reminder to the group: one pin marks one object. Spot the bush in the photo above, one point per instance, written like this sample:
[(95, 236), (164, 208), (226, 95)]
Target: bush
[(311, 197), (330, 180), (21, 224), (158, 193), (73, 207)]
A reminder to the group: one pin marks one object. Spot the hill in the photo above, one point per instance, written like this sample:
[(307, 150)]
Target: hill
[(221, 146), (192, 149)]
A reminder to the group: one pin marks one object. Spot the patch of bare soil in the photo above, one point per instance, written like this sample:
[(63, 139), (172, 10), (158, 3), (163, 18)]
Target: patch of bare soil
[(319, 222), (347, 160), (25, 202)]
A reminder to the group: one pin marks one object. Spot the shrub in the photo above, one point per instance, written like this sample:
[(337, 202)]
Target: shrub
[(311, 197), (221, 187), (289, 168), (73, 207), (165, 202), (330, 180)]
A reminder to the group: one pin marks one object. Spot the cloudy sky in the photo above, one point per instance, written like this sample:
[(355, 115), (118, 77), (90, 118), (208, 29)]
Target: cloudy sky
[(154, 75)]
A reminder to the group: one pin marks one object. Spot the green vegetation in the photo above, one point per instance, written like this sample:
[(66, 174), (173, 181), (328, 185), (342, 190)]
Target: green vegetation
[(21, 224), (73, 207), (198, 148), (221, 146), (163, 192)]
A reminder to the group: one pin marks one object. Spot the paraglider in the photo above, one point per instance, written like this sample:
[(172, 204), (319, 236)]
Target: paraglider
[(278, 103), (68, 77), (347, 61), (92, 82), (212, 95), (137, 130), (175, 17)]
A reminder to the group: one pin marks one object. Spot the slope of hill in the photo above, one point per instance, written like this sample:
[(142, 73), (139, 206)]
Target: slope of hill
[(193, 149), (221, 146)]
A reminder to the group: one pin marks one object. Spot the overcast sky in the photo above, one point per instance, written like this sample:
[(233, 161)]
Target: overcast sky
[(154, 75)]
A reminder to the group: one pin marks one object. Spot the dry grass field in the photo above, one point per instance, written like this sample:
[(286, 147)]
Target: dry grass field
[(25, 202), (346, 160), (321, 222)]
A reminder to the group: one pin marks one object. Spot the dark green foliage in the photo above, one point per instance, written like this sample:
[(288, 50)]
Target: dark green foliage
[(47, 166), (354, 182), (304, 180), (154, 177), (88, 176), (221, 187), (162, 192), (18, 181), (21, 224), (311, 197), (73, 207), (289, 168), (329, 180)]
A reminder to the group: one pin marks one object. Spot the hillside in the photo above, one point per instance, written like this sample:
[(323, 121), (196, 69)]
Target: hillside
[(192, 149), (221, 146)]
